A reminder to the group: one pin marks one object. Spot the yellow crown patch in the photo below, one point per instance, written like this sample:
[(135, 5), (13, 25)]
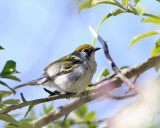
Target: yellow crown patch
[(83, 47)]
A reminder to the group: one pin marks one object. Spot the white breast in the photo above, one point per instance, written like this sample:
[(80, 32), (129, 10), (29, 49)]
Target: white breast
[(75, 81)]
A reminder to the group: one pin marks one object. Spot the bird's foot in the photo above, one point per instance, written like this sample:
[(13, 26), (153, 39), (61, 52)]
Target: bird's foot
[(52, 93), (85, 93), (69, 94)]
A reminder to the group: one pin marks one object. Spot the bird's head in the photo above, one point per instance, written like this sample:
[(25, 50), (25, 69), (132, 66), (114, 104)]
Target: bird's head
[(85, 51)]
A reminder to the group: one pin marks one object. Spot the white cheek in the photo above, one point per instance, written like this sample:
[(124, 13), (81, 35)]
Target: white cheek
[(83, 55)]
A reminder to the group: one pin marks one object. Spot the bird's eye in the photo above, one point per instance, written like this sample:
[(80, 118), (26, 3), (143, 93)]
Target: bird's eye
[(86, 50)]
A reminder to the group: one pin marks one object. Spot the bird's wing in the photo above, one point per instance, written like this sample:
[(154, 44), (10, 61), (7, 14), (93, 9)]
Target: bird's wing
[(63, 65)]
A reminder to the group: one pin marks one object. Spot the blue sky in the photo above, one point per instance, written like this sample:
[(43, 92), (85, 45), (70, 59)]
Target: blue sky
[(36, 32)]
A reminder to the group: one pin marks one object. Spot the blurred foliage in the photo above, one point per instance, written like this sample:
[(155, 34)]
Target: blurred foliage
[(104, 72), (155, 51), (80, 114), (7, 72)]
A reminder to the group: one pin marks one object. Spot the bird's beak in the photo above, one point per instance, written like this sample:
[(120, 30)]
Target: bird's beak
[(95, 49)]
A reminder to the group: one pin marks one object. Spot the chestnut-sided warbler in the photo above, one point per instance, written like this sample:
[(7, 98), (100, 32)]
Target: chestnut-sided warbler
[(71, 73)]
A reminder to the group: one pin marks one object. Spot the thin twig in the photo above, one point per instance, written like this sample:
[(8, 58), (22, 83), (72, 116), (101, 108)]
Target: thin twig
[(65, 117), (99, 82), (14, 125), (103, 80), (22, 97), (110, 60), (121, 97), (29, 109), (135, 79), (89, 121)]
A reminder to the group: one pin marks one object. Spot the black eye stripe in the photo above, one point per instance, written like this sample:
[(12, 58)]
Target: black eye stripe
[(86, 50)]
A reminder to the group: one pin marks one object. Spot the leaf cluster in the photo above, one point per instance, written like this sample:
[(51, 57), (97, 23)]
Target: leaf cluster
[(7, 72)]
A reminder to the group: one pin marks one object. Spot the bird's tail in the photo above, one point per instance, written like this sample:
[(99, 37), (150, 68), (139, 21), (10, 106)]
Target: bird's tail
[(39, 81)]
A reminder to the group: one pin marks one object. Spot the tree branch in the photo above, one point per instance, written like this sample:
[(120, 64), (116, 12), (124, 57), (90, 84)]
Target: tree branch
[(121, 97), (97, 92), (128, 72), (35, 102)]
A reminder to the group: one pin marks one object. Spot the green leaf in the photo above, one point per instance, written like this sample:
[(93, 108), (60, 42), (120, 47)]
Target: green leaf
[(3, 107), (44, 108), (32, 114), (91, 3), (8, 119), (47, 110), (123, 67), (92, 125), (9, 68), (0, 99), (1, 48), (158, 0), (155, 51), (25, 120), (82, 110), (136, 1), (135, 39), (50, 108), (90, 115), (67, 122), (25, 125), (90, 88), (2, 83), (85, 4), (152, 19), (157, 68), (79, 113), (18, 114), (124, 2), (116, 2), (156, 48), (11, 101), (8, 76), (133, 9), (5, 93), (116, 11), (140, 9), (104, 72)]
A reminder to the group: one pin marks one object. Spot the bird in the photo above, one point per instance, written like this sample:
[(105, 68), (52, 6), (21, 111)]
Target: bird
[(69, 74)]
